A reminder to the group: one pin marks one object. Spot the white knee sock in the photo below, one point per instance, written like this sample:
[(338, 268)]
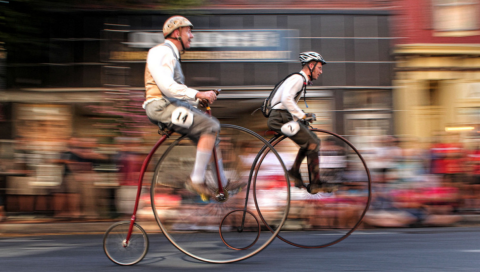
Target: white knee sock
[(201, 162)]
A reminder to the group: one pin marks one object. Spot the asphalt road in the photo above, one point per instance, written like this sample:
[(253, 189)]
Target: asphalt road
[(432, 249)]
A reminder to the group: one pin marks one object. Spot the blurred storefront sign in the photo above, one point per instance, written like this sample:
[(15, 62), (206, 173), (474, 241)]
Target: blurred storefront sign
[(215, 45)]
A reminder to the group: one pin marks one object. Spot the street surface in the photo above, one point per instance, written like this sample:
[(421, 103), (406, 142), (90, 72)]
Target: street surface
[(423, 249)]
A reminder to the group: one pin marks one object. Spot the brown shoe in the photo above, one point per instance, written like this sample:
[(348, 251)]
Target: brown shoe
[(199, 188)]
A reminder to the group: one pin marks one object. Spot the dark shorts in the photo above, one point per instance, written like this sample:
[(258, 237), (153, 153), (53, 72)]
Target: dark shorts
[(304, 136), (161, 111)]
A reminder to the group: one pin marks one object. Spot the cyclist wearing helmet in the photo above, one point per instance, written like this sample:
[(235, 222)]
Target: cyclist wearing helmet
[(168, 99), (286, 118)]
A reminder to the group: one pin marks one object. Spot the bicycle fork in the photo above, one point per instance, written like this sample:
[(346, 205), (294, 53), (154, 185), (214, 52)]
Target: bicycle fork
[(140, 183), (221, 196), (254, 168)]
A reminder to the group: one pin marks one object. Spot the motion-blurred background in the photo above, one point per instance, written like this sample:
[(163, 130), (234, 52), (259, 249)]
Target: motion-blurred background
[(402, 83)]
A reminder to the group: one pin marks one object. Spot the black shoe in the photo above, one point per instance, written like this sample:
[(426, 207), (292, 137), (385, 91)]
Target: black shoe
[(297, 178), (321, 188)]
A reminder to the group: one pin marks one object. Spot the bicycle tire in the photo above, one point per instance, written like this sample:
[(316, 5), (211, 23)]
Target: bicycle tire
[(195, 227), (239, 226), (316, 235), (115, 248)]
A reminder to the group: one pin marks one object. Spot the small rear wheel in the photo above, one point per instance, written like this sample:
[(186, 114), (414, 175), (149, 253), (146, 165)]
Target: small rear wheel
[(240, 229), (121, 252)]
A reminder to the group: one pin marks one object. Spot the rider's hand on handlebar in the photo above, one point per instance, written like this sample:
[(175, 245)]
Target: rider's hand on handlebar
[(310, 117), (207, 96)]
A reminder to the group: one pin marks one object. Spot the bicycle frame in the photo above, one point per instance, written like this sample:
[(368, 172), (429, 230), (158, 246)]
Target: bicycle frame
[(221, 192), (215, 157), (140, 183)]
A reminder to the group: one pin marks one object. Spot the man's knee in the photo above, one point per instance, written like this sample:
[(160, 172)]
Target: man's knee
[(213, 127), (314, 146), (216, 126)]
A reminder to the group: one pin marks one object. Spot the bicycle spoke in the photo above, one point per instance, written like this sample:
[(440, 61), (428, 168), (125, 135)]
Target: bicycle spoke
[(120, 252), (207, 229), (325, 218)]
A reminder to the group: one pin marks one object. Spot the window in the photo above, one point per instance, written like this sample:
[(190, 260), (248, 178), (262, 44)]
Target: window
[(433, 98), (455, 15)]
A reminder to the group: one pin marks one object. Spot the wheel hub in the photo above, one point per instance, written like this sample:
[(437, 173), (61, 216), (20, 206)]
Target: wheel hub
[(221, 197)]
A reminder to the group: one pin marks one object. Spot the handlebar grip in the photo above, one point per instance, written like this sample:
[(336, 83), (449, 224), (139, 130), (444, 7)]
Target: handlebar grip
[(311, 118), (203, 102)]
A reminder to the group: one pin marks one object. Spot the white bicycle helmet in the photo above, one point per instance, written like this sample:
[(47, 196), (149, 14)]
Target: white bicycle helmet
[(173, 23), (306, 57)]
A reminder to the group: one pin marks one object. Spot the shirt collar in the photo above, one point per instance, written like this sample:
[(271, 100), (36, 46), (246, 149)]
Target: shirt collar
[(174, 48), (306, 77)]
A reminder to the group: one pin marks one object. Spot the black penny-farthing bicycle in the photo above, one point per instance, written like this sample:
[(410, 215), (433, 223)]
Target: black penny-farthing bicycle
[(322, 219)]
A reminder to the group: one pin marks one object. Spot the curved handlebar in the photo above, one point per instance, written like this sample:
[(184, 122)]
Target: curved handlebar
[(311, 118)]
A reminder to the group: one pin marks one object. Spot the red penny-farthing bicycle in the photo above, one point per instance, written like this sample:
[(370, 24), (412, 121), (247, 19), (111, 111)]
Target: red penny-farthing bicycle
[(222, 229)]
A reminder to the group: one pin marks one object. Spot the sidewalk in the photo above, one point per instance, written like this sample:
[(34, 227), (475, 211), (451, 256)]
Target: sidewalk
[(43, 226), (19, 226)]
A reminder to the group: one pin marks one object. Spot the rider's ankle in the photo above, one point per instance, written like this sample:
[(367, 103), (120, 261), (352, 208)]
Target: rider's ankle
[(196, 179)]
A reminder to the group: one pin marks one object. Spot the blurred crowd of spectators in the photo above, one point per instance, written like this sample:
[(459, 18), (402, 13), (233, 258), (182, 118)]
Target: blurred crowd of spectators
[(79, 178), (414, 183), (424, 184)]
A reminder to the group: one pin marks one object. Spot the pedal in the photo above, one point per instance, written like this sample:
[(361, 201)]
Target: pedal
[(221, 197)]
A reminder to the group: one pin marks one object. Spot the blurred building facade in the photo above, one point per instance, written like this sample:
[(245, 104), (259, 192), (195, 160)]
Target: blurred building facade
[(87, 80), (437, 73), (93, 57)]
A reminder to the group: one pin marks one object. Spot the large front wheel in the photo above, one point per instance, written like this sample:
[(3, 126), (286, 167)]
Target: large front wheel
[(324, 219), (220, 229)]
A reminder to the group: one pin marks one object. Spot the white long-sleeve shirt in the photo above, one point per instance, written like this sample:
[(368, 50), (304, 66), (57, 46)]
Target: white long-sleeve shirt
[(160, 63), (287, 95)]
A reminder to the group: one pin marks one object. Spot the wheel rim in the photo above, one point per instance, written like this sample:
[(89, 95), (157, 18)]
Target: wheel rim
[(240, 227), (322, 237), (191, 220), (120, 252)]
